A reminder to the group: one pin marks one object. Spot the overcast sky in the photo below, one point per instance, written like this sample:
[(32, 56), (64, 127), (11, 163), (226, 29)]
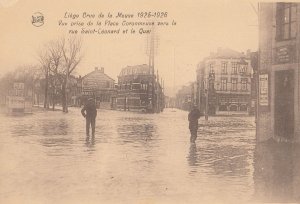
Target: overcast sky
[(202, 27)]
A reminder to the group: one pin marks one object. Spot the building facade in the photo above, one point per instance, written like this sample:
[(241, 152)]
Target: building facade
[(224, 82), (278, 74), (100, 86), (185, 96), (139, 89)]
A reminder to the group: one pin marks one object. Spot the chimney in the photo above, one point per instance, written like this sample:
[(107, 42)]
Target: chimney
[(96, 69), (102, 69)]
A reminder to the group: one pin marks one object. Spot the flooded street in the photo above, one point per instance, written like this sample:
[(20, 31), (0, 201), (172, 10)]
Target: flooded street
[(141, 158)]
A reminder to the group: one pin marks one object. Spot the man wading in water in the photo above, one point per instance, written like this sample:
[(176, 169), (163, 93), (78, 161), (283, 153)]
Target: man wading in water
[(89, 111), (193, 117)]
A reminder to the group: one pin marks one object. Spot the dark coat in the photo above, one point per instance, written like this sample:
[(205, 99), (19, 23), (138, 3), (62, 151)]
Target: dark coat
[(193, 117), (89, 110)]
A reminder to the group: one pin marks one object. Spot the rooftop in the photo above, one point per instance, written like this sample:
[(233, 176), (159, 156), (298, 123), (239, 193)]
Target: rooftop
[(228, 53), (99, 74), (136, 69)]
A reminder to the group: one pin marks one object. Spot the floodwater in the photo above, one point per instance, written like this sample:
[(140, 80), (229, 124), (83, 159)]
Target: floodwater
[(141, 158)]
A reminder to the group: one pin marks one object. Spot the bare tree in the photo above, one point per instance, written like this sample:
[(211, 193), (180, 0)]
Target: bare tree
[(56, 60), (45, 62), (71, 50)]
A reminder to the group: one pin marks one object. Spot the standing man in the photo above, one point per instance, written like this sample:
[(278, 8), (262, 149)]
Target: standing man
[(193, 117), (89, 111)]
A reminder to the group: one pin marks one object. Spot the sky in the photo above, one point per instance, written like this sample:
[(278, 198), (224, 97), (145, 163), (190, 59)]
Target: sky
[(201, 27)]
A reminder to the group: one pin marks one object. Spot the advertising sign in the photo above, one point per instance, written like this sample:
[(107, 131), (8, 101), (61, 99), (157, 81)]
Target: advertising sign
[(284, 54), (16, 102), (263, 90)]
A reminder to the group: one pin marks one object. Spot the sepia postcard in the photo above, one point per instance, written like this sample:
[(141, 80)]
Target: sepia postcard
[(149, 101)]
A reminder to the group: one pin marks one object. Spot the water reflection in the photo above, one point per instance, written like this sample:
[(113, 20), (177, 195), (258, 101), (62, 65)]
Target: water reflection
[(137, 135), (276, 172), (193, 158), (55, 135), (231, 161), (223, 159), (55, 127), (136, 129), (22, 129)]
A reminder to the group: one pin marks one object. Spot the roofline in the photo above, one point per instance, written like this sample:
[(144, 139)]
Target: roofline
[(132, 66), (96, 71)]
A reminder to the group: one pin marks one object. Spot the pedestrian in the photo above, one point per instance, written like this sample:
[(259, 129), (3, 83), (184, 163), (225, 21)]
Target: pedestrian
[(89, 111), (193, 117)]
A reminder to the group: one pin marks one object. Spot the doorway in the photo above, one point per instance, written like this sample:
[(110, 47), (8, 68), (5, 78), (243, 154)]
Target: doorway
[(284, 104)]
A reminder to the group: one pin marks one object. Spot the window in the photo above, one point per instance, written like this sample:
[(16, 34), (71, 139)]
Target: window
[(223, 84), (136, 86), (224, 67), (144, 86), (211, 68), (244, 84), (233, 84), (286, 26), (243, 69), (125, 86), (234, 67)]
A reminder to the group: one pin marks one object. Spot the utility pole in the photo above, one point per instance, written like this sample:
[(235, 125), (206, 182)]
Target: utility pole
[(206, 103), (157, 93), (150, 44), (151, 65), (174, 80)]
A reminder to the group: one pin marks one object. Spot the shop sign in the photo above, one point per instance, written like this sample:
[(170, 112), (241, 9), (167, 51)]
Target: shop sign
[(284, 54), (263, 90)]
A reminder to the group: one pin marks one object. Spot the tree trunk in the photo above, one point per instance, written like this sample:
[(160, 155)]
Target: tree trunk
[(63, 93), (53, 101), (46, 104), (66, 102), (64, 98)]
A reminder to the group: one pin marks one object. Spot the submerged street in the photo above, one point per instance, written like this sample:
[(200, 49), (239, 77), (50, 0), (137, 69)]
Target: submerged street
[(141, 158)]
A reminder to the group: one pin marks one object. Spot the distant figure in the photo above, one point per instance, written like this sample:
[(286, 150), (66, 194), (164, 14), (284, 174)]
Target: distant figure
[(193, 117), (89, 111)]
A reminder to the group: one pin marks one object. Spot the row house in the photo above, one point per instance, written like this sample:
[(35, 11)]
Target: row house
[(224, 81), (185, 97), (100, 86), (139, 89)]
